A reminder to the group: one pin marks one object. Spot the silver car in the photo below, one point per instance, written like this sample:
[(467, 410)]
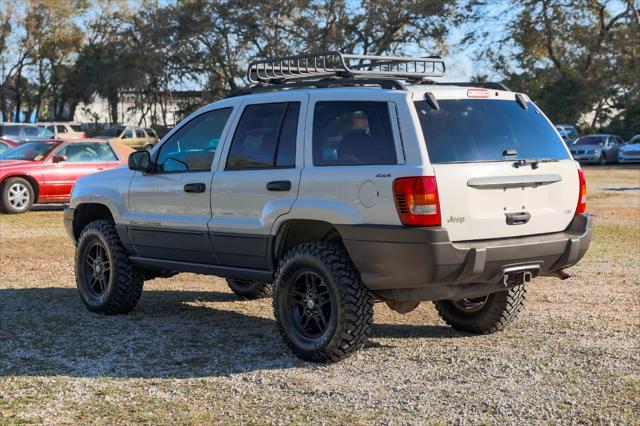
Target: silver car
[(630, 152), (596, 149)]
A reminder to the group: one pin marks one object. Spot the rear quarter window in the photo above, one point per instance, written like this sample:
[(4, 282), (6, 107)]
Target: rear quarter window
[(474, 130)]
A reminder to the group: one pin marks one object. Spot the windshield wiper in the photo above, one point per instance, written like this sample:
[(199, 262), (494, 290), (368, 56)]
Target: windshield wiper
[(534, 162)]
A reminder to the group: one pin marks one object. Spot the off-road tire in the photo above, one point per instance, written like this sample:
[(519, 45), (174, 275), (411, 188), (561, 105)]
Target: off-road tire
[(125, 282), (500, 310), (16, 183), (351, 306), (250, 289)]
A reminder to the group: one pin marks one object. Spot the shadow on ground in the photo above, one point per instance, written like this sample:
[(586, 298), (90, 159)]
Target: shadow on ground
[(47, 331)]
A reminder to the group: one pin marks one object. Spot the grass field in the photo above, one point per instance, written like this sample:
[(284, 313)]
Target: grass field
[(193, 353)]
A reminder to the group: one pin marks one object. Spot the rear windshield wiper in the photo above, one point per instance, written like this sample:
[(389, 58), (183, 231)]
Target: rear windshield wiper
[(534, 162)]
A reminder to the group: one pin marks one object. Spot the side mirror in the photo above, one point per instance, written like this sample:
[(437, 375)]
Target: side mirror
[(140, 161), (59, 158)]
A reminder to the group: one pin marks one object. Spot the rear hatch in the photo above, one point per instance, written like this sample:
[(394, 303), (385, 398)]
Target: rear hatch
[(501, 168)]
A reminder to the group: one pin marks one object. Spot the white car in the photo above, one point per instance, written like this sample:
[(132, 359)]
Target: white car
[(630, 152), (64, 130), (337, 181)]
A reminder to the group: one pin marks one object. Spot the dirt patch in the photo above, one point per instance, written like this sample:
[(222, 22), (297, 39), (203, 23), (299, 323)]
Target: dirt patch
[(192, 353)]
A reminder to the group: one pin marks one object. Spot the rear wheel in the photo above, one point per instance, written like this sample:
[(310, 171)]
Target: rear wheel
[(250, 289), (323, 310), (483, 315), (107, 282), (17, 195)]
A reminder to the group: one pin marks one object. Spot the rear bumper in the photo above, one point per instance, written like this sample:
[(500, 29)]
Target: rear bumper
[(407, 263)]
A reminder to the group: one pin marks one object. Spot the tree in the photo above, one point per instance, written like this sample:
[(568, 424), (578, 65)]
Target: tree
[(573, 57)]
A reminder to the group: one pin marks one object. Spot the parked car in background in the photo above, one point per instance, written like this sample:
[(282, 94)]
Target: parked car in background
[(630, 152), (132, 136), (6, 145), (597, 149), (65, 130), (20, 132), (45, 171), (152, 133), (567, 132)]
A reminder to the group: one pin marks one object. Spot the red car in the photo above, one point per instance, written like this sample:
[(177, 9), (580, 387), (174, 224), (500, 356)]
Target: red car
[(44, 172), (6, 145)]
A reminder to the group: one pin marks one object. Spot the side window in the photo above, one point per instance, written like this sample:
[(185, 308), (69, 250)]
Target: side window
[(193, 146), (140, 134), (80, 153), (352, 133), (128, 134), (52, 129), (265, 137), (105, 152), (62, 129)]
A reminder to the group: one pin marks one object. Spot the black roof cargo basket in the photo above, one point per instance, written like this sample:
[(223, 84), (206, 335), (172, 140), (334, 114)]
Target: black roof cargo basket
[(314, 66)]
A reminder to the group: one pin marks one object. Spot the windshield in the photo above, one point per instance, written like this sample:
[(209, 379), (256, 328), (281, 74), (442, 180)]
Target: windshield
[(470, 130), (113, 132), (31, 151), (10, 130), (591, 140)]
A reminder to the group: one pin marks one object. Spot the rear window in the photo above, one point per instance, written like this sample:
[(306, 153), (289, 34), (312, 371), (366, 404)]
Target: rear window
[(76, 127), (473, 130)]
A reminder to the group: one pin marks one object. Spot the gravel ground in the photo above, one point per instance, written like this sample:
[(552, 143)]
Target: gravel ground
[(193, 353)]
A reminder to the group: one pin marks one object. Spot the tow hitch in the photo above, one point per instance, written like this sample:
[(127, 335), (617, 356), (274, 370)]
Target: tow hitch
[(519, 274)]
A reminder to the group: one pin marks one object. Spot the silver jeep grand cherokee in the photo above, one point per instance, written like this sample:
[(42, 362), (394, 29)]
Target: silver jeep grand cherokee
[(337, 181)]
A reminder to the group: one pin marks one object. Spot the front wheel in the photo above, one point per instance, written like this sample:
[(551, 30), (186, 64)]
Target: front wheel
[(17, 195), (323, 310), (483, 315), (107, 282), (602, 160)]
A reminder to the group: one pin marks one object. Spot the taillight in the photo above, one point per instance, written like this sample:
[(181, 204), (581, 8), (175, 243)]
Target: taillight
[(84, 135), (417, 200), (582, 195)]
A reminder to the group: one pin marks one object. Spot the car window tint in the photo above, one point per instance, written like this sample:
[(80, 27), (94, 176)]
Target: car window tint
[(193, 146), (76, 127), (477, 130), (265, 137), (51, 128), (62, 129), (31, 131), (105, 152), (81, 152), (12, 130), (352, 133), (288, 135), (140, 134), (128, 134)]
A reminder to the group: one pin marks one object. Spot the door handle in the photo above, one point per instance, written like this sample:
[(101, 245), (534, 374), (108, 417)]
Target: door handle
[(279, 185), (195, 187), (519, 218)]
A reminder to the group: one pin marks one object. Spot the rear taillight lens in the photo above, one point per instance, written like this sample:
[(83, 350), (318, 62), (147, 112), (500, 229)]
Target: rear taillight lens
[(582, 195), (417, 200)]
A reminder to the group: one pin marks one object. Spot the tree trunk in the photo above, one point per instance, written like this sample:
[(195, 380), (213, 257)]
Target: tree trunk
[(113, 100)]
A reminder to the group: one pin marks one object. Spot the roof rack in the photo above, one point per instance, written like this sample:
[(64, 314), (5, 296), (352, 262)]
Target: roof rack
[(335, 63), (384, 83)]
